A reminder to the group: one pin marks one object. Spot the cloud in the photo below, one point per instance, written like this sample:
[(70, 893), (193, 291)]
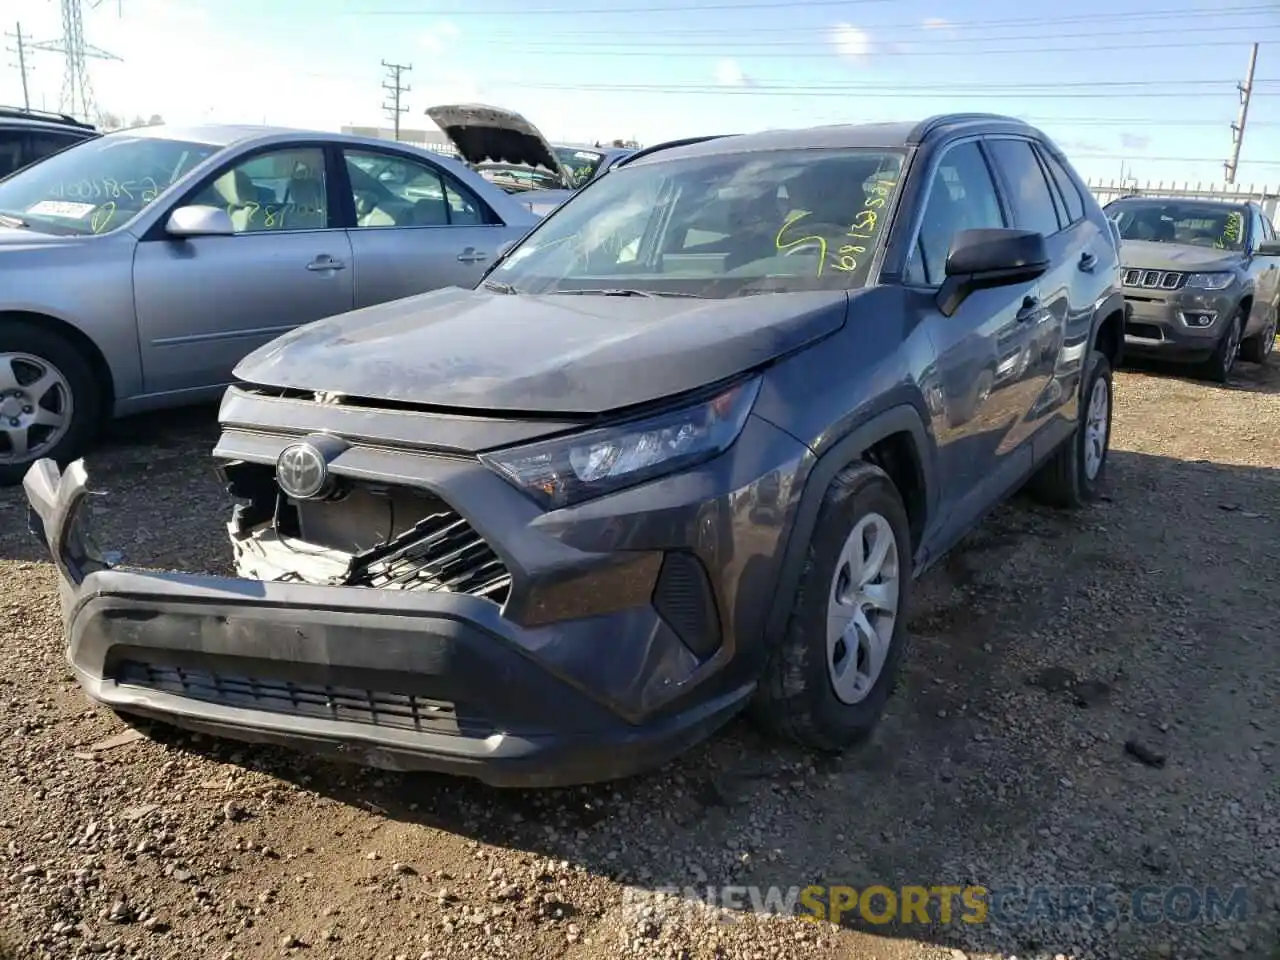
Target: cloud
[(935, 23), (1082, 146), (729, 74), (851, 41), (1135, 141), (439, 38)]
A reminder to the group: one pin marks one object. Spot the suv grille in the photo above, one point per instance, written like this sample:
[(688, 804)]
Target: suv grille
[(313, 701), (1153, 279), (439, 552)]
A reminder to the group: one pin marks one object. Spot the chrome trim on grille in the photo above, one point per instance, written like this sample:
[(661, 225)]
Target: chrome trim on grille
[(1153, 279)]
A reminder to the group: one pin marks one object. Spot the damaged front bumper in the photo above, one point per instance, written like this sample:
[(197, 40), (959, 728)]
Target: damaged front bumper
[(396, 679)]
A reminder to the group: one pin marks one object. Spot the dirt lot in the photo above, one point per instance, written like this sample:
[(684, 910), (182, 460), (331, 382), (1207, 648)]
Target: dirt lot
[(1041, 647)]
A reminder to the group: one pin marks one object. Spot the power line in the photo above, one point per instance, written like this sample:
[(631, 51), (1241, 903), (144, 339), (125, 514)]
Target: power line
[(725, 44), (77, 90), (608, 50), (885, 92), (20, 49), (511, 12), (394, 108), (916, 26)]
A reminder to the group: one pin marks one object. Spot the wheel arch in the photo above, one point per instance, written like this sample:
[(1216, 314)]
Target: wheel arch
[(897, 442), (1108, 328), (78, 339)]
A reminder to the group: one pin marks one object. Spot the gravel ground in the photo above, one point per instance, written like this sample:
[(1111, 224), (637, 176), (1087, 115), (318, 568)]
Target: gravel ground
[(1042, 646)]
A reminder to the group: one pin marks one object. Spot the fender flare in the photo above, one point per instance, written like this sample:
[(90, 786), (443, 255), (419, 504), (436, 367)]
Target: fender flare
[(903, 418)]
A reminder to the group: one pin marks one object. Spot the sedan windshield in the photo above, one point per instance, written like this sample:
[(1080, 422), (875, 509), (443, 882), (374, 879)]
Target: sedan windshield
[(1178, 221), (97, 185), (717, 226)]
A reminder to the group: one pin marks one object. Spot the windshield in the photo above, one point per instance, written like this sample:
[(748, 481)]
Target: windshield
[(582, 164), (99, 184), (719, 226), (1180, 221)]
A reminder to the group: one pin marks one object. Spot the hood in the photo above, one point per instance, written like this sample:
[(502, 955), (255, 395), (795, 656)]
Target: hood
[(542, 202), (1188, 258), (562, 354), (485, 134)]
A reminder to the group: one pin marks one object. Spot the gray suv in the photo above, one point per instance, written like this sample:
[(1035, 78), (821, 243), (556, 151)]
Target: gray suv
[(679, 454), (1202, 278), (30, 135)]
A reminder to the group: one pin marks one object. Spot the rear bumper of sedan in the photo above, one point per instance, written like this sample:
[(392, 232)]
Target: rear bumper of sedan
[(394, 679)]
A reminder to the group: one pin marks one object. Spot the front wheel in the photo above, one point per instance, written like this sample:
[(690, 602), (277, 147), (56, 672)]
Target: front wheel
[(1073, 474), (1219, 366), (49, 401), (826, 683)]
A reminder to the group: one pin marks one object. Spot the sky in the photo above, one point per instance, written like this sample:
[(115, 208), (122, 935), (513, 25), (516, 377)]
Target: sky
[(1144, 89)]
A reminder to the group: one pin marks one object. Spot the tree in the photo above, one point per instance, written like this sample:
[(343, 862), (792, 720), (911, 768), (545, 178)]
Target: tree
[(155, 121)]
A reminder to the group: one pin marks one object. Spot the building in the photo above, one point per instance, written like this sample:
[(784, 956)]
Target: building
[(431, 139)]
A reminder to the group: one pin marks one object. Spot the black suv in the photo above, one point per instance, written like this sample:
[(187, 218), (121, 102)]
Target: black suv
[(30, 135), (681, 452), (1202, 278)]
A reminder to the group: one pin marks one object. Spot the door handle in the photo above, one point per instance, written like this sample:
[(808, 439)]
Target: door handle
[(1087, 262), (325, 262), (471, 255), (1030, 308)]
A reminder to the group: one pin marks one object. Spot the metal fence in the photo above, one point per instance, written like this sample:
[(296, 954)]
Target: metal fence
[(1268, 197)]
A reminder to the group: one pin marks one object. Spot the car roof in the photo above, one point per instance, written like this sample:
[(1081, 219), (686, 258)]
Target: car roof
[(900, 134), (40, 120), (1208, 201)]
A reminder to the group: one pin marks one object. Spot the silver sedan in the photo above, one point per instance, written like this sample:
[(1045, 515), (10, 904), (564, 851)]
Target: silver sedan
[(136, 269)]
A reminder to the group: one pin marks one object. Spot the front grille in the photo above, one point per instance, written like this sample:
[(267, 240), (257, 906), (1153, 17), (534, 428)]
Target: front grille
[(439, 552), (1153, 279), (310, 701)]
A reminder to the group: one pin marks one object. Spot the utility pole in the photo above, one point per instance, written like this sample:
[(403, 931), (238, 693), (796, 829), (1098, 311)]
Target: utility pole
[(394, 109), (21, 50), (1237, 128)]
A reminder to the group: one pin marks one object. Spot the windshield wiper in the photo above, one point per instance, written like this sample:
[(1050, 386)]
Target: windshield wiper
[(622, 292), (498, 286), (16, 222)]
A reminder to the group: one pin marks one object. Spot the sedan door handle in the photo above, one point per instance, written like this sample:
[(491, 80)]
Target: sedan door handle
[(325, 262), (1030, 308), (1087, 262), (471, 255)]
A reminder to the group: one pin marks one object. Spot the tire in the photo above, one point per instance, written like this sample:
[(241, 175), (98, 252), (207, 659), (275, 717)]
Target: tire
[(1071, 477), (28, 351), (797, 697), (1219, 366), (1258, 348)]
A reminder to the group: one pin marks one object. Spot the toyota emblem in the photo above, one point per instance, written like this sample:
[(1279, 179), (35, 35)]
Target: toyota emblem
[(302, 471)]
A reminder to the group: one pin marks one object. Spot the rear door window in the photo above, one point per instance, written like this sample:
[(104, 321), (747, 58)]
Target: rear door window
[(1032, 198)]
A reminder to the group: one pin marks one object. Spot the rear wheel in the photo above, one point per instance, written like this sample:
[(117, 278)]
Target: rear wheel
[(827, 682), (49, 401), (1258, 349), (1073, 474)]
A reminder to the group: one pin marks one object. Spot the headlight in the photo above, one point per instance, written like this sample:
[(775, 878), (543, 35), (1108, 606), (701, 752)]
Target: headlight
[(1210, 281), (575, 468)]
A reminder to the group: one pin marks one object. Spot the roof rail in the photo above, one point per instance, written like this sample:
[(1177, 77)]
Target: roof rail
[(29, 114), (669, 144), (930, 124)]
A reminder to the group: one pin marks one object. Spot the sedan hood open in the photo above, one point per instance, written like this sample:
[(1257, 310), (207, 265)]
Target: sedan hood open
[(1186, 257), (485, 134), (560, 354)]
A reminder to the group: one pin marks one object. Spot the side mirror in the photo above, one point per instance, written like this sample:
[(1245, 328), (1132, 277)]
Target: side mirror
[(1269, 248), (199, 221), (981, 259)]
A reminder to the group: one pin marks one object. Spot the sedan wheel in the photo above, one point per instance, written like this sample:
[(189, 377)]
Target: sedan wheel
[(36, 407)]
